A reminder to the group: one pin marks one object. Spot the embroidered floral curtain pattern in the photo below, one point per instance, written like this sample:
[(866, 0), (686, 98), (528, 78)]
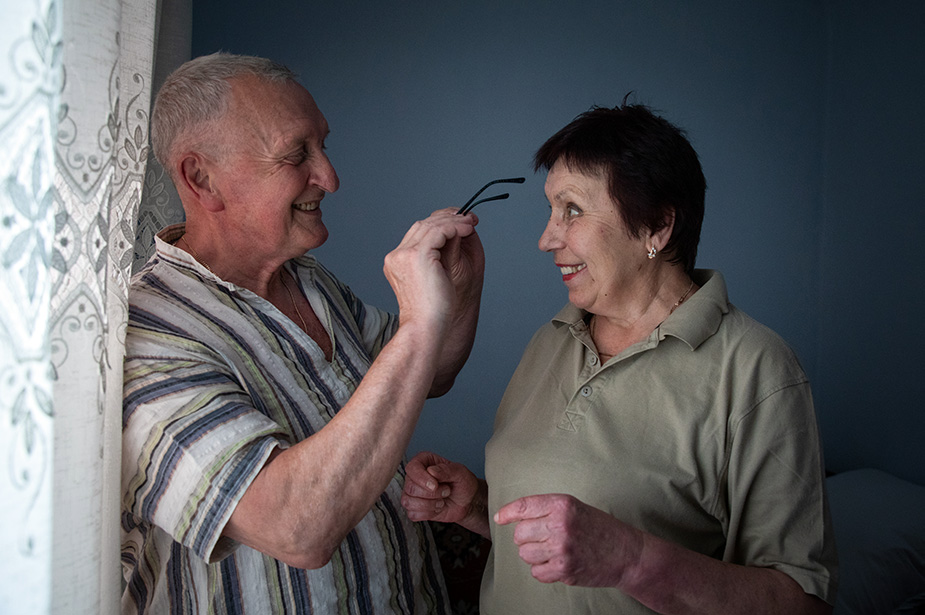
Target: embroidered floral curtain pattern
[(75, 91), (29, 81)]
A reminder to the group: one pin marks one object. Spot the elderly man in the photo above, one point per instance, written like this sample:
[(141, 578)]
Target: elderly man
[(266, 408)]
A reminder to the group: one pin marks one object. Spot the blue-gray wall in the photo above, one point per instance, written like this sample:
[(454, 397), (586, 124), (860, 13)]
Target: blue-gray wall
[(870, 381), (804, 114)]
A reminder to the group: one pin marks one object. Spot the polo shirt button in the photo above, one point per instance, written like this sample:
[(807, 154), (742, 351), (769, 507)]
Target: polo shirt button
[(592, 360), (586, 391)]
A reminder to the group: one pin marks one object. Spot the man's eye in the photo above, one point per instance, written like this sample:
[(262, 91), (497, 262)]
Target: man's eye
[(298, 157), (572, 210)]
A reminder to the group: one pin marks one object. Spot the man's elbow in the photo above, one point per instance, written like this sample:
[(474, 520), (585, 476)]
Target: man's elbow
[(308, 560), (439, 389), (294, 545), (309, 556), (817, 606)]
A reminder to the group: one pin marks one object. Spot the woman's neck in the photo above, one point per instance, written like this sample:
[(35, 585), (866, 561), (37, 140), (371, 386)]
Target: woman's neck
[(613, 333)]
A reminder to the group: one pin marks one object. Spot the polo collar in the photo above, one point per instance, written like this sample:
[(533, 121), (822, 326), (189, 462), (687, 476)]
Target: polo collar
[(693, 322)]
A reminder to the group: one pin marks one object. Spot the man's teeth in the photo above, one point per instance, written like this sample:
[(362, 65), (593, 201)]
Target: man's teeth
[(570, 269), (312, 206)]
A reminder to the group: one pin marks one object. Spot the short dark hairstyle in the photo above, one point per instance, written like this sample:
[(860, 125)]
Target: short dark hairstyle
[(651, 169)]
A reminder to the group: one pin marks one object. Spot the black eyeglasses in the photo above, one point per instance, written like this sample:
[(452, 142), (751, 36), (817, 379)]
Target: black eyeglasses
[(470, 204)]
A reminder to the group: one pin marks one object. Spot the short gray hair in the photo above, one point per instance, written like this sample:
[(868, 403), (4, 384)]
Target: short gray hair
[(197, 93)]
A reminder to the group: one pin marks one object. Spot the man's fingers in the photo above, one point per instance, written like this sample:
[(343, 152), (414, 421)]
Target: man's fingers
[(421, 490), (441, 472)]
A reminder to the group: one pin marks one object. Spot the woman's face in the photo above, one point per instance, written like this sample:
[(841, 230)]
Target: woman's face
[(601, 263)]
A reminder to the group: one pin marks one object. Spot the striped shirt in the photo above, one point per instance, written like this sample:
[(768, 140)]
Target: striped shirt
[(216, 378)]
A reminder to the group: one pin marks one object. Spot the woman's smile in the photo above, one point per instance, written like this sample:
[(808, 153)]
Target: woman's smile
[(570, 271)]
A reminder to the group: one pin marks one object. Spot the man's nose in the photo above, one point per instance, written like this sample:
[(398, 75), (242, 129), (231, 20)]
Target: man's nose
[(325, 177)]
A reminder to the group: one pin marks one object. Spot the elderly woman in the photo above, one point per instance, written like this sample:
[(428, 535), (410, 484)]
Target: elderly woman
[(656, 449)]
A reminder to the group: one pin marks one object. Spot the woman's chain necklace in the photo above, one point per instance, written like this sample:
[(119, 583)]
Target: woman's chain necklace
[(681, 300), (670, 312), (286, 286)]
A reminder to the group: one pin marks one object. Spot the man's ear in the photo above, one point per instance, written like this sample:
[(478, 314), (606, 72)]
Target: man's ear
[(196, 179)]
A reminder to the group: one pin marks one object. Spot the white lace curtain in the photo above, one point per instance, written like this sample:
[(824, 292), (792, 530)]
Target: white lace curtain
[(76, 79)]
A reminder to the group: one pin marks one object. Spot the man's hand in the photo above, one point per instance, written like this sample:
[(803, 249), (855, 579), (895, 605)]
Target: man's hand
[(464, 259), (440, 490), (433, 263)]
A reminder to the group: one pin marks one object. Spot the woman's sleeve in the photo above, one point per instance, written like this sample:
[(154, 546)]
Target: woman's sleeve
[(778, 513)]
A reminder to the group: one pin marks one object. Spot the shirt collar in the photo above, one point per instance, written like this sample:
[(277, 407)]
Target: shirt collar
[(693, 322), (165, 242)]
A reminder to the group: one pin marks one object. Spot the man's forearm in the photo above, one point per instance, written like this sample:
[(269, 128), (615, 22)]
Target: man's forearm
[(318, 490), (477, 519), (456, 347)]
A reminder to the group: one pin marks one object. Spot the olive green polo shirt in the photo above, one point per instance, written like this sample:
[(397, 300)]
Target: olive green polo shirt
[(703, 434)]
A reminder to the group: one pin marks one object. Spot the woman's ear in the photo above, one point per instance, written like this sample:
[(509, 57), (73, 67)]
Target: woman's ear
[(196, 180), (662, 235)]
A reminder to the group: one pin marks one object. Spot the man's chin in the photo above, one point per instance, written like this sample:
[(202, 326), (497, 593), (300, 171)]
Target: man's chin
[(319, 235)]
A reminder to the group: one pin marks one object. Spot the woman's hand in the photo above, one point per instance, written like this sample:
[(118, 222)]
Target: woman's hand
[(440, 490), (565, 540)]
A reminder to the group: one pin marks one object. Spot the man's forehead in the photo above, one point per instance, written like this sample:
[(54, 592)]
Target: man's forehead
[(253, 92), (283, 110)]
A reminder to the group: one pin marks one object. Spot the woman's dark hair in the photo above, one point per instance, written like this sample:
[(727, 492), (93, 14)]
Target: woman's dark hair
[(651, 169)]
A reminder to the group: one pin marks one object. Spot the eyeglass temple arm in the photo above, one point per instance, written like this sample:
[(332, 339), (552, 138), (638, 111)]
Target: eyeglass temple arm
[(467, 208), (512, 180)]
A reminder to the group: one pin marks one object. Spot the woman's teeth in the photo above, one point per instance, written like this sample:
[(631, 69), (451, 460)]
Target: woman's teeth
[(312, 206), (570, 269)]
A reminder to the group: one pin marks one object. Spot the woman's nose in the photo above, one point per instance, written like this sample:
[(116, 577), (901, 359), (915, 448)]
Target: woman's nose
[(551, 238)]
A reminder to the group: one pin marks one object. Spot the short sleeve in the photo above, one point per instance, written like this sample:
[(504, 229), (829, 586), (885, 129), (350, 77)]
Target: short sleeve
[(778, 513), (192, 444)]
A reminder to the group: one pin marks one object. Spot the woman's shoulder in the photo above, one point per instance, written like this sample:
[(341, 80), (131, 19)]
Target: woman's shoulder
[(749, 331), (751, 347), (737, 329)]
